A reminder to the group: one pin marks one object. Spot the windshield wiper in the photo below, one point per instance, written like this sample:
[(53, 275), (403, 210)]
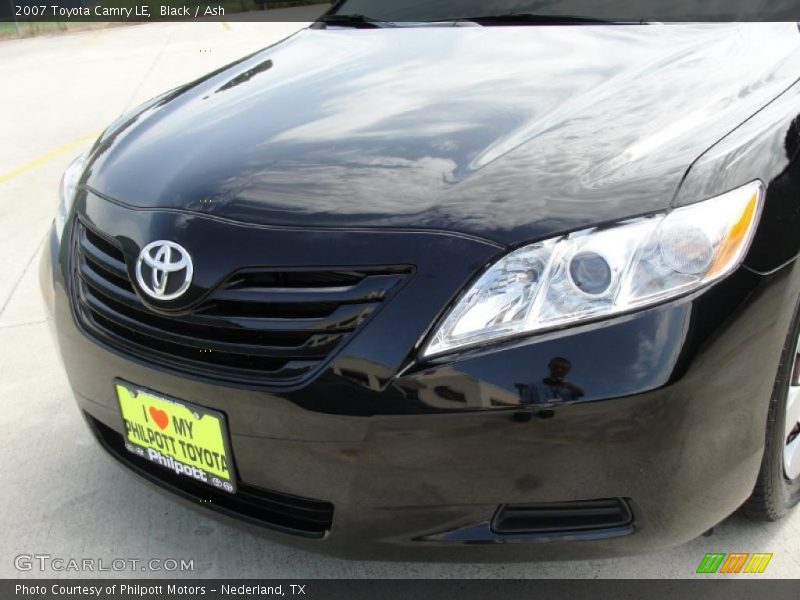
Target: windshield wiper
[(533, 19), (355, 21)]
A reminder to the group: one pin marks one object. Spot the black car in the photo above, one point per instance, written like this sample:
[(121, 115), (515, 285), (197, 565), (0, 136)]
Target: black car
[(467, 284)]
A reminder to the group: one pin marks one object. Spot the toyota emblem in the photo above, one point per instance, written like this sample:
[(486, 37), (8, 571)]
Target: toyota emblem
[(164, 270)]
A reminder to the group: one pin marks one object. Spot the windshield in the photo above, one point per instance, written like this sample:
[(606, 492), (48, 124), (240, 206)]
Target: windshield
[(398, 11)]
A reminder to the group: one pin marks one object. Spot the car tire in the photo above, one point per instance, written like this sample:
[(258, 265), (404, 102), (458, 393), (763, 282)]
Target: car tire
[(777, 488)]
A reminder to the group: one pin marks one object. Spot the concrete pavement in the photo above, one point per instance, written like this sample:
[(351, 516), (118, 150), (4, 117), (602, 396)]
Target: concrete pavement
[(60, 494)]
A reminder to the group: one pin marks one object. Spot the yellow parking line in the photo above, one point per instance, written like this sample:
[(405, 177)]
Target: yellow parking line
[(48, 156)]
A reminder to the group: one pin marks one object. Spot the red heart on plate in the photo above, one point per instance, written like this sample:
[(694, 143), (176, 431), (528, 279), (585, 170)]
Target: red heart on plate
[(160, 417)]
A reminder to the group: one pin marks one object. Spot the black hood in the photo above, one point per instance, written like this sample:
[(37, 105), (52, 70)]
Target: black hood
[(508, 133)]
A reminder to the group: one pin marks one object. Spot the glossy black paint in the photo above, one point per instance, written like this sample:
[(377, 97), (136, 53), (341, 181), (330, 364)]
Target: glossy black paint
[(673, 403), (764, 147), (511, 133), (402, 483)]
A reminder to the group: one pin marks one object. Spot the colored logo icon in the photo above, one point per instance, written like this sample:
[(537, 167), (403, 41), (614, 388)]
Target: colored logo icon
[(735, 562)]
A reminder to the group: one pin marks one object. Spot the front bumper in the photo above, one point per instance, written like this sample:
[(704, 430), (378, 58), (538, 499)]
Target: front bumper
[(673, 420)]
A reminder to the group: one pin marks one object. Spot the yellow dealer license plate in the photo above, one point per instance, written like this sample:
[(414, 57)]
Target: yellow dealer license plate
[(187, 439)]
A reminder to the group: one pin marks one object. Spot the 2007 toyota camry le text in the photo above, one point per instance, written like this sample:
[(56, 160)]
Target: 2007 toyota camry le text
[(458, 281)]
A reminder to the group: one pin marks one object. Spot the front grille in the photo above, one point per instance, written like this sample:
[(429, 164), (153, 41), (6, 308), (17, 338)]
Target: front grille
[(258, 326), (284, 512)]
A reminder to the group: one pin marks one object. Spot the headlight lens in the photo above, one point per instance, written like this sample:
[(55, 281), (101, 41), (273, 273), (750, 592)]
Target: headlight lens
[(66, 193), (603, 271)]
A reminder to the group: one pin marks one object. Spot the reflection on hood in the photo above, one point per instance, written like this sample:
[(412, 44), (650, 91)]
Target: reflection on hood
[(509, 133)]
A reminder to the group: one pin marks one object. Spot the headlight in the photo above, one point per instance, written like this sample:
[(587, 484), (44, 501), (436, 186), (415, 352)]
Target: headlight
[(603, 271), (66, 193)]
